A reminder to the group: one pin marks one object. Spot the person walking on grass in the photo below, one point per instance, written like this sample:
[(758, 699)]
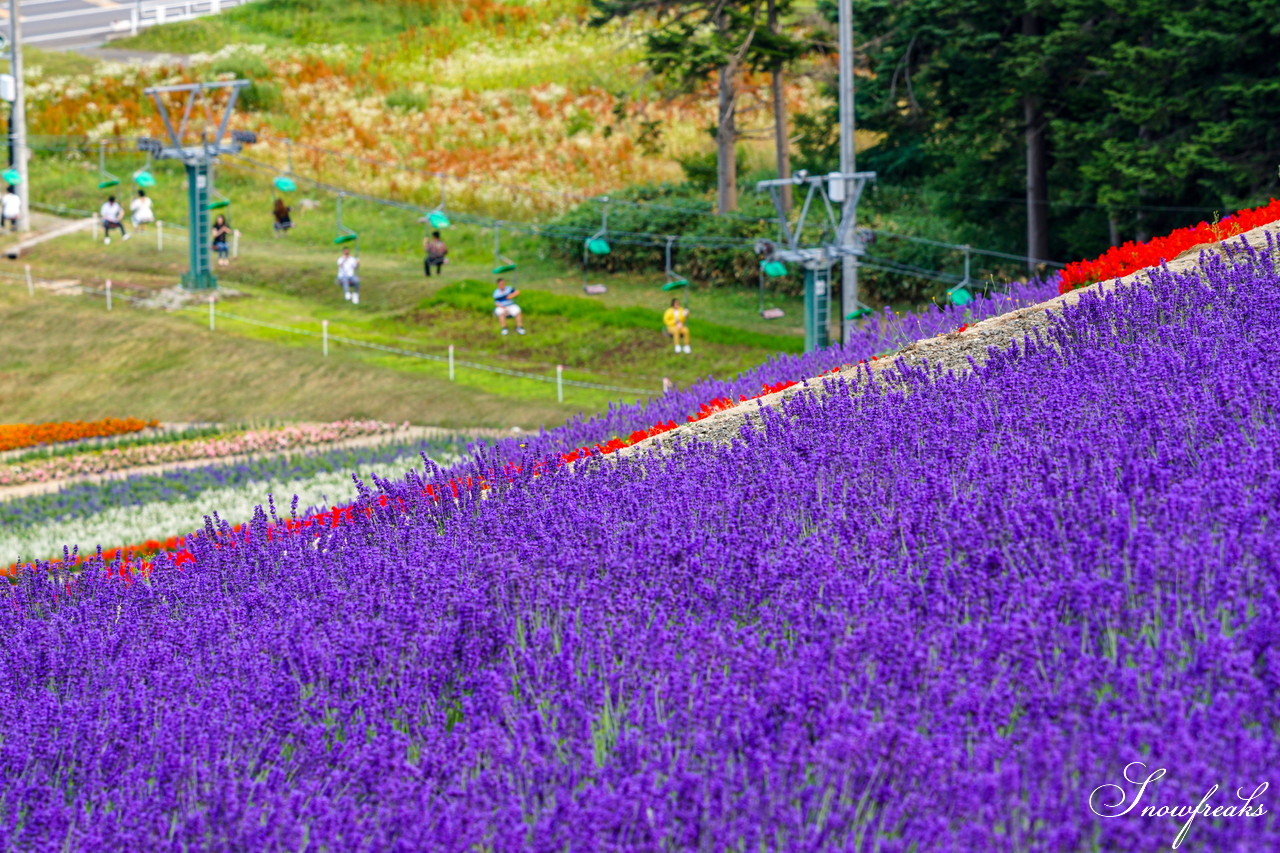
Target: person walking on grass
[(676, 320), (112, 217), (221, 234), (435, 251), (281, 213), (348, 279), (140, 211), (10, 208), (504, 306)]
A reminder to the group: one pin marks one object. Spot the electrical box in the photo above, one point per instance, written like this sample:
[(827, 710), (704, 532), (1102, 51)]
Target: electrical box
[(8, 88), (835, 187)]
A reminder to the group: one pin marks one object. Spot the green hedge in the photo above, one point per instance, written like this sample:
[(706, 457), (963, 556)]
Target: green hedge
[(678, 210)]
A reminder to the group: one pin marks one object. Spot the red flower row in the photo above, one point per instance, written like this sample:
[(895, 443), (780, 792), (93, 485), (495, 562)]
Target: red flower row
[(1130, 257)]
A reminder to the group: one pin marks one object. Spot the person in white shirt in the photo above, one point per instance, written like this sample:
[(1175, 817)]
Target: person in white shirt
[(112, 217), (347, 277), (10, 207), (140, 211)]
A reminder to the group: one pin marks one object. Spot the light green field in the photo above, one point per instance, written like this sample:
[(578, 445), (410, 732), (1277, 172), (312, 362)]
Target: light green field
[(613, 340)]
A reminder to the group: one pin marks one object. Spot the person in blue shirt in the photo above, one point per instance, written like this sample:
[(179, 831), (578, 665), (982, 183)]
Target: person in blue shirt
[(504, 306)]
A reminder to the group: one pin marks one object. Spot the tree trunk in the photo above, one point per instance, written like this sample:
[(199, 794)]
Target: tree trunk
[(781, 141), (1037, 164), (726, 143)]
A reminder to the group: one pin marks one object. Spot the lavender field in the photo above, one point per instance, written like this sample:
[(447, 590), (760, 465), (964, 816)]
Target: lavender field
[(934, 616)]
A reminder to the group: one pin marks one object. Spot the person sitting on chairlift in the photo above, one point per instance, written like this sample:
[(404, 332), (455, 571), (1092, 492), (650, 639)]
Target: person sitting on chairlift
[(140, 212), (10, 209), (504, 306), (675, 319), (435, 251), (221, 234), (348, 279), (112, 217), (281, 213)]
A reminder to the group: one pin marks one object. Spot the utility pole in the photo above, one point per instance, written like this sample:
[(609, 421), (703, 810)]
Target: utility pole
[(849, 288), (18, 118)]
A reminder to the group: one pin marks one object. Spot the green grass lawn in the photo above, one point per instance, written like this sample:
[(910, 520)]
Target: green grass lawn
[(614, 340), (71, 359)]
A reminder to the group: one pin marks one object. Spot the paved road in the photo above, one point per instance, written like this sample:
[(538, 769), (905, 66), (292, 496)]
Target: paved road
[(75, 23)]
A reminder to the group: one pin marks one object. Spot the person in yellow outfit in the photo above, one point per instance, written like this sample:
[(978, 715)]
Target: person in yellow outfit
[(676, 320)]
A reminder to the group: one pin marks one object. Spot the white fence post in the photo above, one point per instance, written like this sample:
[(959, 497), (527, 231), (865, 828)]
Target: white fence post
[(133, 21), (31, 287), (108, 294), (560, 382), (211, 312), (450, 362), (160, 14), (159, 235), (235, 243), (215, 7), (324, 337), (95, 229)]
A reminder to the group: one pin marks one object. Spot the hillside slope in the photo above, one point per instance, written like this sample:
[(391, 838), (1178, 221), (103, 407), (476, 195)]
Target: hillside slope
[(961, 351), (934, 618)]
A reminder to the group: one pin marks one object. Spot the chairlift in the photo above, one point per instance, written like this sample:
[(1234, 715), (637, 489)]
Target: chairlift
[(219, 202), (501, 263), (771, 269), (596, 244), (673, 283), (108, 180), (437, 218), (143, 177), (960, 294), (285, 183), (345, 234)]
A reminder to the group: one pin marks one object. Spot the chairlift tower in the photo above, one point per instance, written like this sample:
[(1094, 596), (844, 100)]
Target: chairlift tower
[(833, 238), (198, 158)]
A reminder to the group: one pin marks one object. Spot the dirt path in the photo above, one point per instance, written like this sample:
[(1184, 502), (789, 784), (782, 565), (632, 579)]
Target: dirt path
[(408, 434), (951, 351)]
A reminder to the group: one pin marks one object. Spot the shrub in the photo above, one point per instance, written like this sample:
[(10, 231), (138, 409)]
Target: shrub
[(260, 97), (678, 210), (246, 66), (407, 100)]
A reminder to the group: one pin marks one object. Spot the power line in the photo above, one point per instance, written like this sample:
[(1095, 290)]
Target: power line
[(576, 233)]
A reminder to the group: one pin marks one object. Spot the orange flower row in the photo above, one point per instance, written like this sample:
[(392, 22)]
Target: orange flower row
[(14, 436)]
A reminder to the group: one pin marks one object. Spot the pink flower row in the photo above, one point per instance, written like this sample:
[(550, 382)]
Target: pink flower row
[(251, 441)]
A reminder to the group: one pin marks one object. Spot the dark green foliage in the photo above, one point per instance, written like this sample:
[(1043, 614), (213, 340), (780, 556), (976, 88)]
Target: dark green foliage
[(407, 100), (1157, 114), (678, 209), (260, 96)]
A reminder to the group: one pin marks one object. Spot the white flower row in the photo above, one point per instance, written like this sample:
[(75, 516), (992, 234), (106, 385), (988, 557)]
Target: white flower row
[(133, 525)]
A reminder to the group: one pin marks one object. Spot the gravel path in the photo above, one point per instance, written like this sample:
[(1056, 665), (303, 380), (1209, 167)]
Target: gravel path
[(950, 352)]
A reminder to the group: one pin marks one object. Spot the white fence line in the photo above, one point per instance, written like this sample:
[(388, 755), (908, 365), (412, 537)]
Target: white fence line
[(326, 338), (124, 19)]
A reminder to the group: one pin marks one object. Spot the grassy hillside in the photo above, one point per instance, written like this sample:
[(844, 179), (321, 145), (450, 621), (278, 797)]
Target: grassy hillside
[(76, 360), (513, 97)]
